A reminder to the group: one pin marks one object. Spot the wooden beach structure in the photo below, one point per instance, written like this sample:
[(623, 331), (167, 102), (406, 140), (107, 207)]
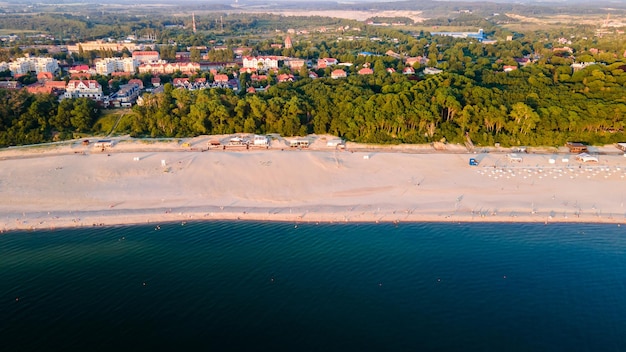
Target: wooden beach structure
[(576, 147)]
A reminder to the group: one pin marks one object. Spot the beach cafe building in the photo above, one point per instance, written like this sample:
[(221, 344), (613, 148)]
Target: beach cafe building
[(576, 147)]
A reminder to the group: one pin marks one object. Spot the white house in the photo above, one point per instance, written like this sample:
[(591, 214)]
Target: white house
[(260, 141), (83, 89)]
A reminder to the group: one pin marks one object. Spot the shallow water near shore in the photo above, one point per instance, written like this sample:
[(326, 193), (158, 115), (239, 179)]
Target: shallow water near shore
[(306, 287)]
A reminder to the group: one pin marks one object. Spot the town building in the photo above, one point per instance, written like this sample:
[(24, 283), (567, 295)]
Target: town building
[(295, 64), (431, 71), (260, 62), (47, 87), (14, 85), (338, 74), (108, 66), (411, 61), (102, 45), (144, 57), (168, 68), (84, 89), (220, 78), (126, 95), (285, 78), (480, 35), (25, 65), (326, 62)]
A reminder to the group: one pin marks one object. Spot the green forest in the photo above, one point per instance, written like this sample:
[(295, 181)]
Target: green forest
[(530, 106)]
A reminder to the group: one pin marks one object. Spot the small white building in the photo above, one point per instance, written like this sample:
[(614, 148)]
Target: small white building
[(432, 71), (299, 143), (260, 141), (103, 143), (334, 143)]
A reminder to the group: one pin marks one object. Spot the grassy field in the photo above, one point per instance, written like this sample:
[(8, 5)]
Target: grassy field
[(105, 123), (8, 31)]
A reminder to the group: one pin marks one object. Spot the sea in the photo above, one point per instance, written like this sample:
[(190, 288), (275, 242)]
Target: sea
[(258, 286)]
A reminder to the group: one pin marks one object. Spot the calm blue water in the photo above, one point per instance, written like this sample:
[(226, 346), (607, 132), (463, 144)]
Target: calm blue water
[(246, 286)]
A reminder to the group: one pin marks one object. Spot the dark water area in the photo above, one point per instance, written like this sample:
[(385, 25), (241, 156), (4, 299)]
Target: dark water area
[(249, 286)]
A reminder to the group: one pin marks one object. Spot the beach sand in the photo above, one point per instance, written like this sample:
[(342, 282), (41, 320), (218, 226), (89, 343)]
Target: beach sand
[(134, 182)]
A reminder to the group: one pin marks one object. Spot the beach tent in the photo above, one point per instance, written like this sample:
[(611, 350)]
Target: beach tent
[(586, 158)]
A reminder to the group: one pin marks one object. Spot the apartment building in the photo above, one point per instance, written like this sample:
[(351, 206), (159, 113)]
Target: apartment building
[(24, 65), (260, 62), (109, 65)]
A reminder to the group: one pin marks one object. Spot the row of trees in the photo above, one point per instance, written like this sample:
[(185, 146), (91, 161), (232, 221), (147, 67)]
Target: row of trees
[(28, 119), (525, 107)]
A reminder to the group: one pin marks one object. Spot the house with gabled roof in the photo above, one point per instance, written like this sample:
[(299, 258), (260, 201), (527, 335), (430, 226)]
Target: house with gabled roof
[(126, 95), (413, 60), (45, 76), (285, 78), (326, 62), (408, 70), (256, 78), (137, 82), (84, 89), (79, 69), (338, 74), (180, 81), (48, 87), (220, 78), (365, 71)]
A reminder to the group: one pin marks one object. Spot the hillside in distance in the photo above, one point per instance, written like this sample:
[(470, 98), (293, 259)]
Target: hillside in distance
[(429, 8)]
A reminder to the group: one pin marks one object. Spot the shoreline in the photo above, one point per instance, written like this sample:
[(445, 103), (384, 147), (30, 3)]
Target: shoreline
[(152, 182), (33, 222)]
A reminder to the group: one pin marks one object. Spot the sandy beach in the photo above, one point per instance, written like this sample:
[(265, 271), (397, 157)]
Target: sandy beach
[(138, 181)]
